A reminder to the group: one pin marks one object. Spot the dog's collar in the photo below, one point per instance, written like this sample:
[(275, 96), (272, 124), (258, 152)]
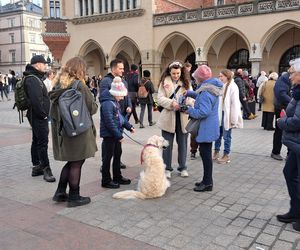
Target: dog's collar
[(146, 146)]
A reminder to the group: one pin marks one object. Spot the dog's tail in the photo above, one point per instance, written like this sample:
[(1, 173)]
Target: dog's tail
[(129, 194)]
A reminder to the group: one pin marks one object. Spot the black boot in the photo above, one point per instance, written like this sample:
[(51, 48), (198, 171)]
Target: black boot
[(48, 176), (37, 171), (60, 196), (76, 200)]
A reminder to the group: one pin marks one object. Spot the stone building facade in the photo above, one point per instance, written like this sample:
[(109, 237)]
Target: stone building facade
[(253, 35), (20, 35)]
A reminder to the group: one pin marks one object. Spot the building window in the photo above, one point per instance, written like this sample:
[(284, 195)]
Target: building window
[(13, 55), (290, 54), (11, 22), (219, 2), (86, 7), (121, 5), (134, 4), (128, 4), (239, 59), (80, 7), (12, 37), (0, 56), (54, 8), (106, 6)]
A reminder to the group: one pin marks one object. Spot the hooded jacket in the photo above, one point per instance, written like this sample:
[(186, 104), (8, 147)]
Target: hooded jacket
[(78, 147), (111, 121), (206, 109), (37, 93)]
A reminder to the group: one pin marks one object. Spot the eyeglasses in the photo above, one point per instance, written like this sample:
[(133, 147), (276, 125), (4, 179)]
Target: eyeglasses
[(175, 64)]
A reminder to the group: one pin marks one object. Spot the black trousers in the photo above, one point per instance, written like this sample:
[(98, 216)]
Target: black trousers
[(39, 145), (277, 144), (246, 109), (291, 173), (111, 148), (205, 152), (133, 110)]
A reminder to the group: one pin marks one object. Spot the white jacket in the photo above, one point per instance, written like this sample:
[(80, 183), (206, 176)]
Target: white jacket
[(232, 107)]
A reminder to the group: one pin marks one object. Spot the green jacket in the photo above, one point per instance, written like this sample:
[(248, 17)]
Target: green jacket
[(75, 148)]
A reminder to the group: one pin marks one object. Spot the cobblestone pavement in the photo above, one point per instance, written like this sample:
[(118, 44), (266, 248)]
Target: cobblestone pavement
[(238, 214)]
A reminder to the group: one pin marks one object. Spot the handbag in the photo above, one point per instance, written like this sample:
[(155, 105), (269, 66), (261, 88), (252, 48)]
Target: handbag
[(160, 108), (192, 126), (261, 99)]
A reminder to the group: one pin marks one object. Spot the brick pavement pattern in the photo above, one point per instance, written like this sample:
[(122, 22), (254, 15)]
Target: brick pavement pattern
[(238, 214)]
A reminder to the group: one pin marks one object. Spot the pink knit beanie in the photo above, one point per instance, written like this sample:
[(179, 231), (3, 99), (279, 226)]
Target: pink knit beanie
[(203, 72)]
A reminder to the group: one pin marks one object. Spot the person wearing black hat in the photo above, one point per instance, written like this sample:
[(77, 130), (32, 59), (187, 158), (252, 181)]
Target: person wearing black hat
[(38, 116)]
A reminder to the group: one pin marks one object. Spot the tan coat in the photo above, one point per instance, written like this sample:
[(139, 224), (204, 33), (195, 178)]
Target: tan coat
[(267, 91), (167, 118)]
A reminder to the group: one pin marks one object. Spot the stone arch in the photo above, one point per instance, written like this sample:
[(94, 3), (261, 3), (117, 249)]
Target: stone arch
[(221, 45), (126, 49), (275, 32), (276, 41), (92, 52), (175, 46), (220, 36)]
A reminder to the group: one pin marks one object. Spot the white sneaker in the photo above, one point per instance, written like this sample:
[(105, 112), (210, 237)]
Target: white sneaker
[(168, 174), (184, 173)]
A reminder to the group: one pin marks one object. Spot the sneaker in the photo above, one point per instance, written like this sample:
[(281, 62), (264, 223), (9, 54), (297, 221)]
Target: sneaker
[(193, 156), (225, 159), (168, 174), (184, 173), (216, 155), (252, 116), (277, 157)]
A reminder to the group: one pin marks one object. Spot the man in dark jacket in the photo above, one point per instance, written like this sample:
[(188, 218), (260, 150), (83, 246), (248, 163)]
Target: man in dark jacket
[(117, 69), (38, 115), (132, 80), (242, 94), (282, 98)]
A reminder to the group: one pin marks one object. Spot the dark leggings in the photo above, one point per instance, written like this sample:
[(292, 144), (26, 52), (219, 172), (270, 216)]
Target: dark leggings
[(71, 174)]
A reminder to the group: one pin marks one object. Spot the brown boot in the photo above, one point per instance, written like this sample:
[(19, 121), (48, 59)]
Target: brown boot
[(216, 155), (252, 116), (225, 159)]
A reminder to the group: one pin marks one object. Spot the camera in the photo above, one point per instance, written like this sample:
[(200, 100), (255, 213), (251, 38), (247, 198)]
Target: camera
[(181, 101)]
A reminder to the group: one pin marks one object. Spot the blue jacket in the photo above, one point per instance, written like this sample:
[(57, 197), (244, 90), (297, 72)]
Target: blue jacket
[(206, 109), (282, 90), (111, 120), (290, 124), (105, 84)]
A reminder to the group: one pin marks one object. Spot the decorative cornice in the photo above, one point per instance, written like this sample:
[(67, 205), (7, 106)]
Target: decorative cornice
[(55, 34), (226, 11), (108, 16)]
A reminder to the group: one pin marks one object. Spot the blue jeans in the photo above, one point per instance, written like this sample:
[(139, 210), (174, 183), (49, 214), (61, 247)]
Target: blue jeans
[(226, 134)]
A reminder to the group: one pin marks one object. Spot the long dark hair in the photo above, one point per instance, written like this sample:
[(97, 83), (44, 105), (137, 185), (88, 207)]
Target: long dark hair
[(184, 77)]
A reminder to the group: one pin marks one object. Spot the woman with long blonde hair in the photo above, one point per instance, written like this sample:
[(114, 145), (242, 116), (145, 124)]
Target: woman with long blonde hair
[(75, 149)]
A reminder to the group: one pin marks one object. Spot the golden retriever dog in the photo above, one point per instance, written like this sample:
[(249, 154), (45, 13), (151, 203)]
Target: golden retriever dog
[(153, 182)]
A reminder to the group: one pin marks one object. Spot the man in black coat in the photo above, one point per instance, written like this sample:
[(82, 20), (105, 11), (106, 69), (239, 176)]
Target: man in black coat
[(282, 97), (38, 115), (132, 80)]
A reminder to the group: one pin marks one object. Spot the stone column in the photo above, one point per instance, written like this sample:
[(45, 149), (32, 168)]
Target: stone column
[(255, 67), (116, 5), (96, 7), (77, 8), (90, 7), (109, 6), (138, 4), (103, 7), (83, 8)]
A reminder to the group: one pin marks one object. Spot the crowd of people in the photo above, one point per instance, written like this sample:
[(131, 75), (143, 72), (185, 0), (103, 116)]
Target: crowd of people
[(220, 104)]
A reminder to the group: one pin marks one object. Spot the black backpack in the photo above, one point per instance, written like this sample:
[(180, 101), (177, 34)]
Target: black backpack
[(75, 117), (21, 99)]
